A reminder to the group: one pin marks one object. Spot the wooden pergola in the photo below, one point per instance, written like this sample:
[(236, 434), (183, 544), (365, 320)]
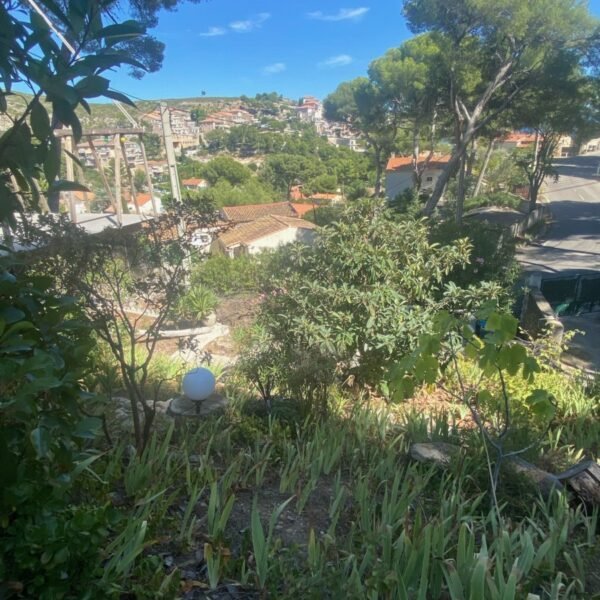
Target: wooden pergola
[(65, 136)]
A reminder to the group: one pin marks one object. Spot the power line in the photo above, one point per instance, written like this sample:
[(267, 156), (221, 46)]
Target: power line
[(72, 50)]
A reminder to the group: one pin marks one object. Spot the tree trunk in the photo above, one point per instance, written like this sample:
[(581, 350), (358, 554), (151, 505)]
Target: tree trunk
[(416, 170), (443, 180), (533, 196), (378, 172), (533, 186), (460, 194), (471, 160), (486, 161), (472, 121)]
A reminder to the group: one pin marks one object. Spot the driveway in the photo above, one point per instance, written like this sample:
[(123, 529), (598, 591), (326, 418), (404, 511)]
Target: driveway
[(572, 242), (572, 245)]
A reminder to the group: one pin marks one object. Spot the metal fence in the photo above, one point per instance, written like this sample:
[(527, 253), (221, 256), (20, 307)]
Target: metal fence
[(573, 295)]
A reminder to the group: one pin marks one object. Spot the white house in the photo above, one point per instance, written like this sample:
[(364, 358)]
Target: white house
[(195, 183), (266, 233), (399, 173), (517, 140), (144, 204), (310, 110)]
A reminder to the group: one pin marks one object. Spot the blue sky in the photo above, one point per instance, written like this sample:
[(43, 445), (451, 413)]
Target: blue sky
[(294, 47)]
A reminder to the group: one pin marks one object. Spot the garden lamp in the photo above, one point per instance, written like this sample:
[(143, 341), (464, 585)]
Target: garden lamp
[(198, 384)]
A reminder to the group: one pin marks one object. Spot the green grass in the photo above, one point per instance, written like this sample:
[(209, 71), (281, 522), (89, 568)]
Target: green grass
[(285, 507)]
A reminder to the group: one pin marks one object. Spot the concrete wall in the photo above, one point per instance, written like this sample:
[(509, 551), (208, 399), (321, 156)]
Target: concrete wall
[(533, 218), (280, 238), (398, 181), (538, 318)]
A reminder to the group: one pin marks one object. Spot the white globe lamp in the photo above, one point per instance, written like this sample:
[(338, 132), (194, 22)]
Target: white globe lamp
[(198, 384)]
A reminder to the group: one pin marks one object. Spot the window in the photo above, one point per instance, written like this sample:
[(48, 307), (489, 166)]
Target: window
[(429, 179)]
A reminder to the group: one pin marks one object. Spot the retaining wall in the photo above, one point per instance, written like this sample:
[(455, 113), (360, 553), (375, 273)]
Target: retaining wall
[(538, 318), (533, 218)]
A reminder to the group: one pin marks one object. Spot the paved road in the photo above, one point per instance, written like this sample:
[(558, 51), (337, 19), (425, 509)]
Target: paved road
[(572, 243)]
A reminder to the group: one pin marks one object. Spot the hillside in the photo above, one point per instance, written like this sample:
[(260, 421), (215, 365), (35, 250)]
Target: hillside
[(105, 114)]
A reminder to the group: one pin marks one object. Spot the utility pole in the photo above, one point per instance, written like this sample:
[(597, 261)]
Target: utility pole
[(68, 146), (175, 189), (171, 163), (129, 172), (102, 174), (118, 198), (148, 176)]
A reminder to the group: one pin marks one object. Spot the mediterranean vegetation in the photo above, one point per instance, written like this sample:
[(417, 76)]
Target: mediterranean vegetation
[(386, 429)]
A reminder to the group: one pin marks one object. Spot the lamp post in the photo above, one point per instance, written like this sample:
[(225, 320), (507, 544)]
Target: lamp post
[(198, 384)]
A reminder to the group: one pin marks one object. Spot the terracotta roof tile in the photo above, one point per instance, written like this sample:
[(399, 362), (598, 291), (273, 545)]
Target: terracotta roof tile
[(251, 212), (398, 163), (83, 196), (194, 181), (142, 199), (248, 232), (301, 208), (519, 137)]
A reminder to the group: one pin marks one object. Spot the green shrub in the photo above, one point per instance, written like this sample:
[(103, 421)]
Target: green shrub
[(501, 199), (226, 276), (197, 303), (358, 298), (491, 257), (324, 215), (44, 348)]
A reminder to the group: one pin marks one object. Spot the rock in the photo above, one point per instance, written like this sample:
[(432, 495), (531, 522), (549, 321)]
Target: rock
[(210, 320), (181, 406), (225, 360), (123, 410), (543, 480), (437, 452)]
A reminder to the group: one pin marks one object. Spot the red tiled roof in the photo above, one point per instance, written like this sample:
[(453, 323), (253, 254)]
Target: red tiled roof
[(142, 199), (251, 212), (398, 163), (519, 137), (194, 181), (301, 209), (246, 233)]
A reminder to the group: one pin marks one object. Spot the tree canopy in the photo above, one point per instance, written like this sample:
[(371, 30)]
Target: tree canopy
[(227, 169), (493, 53), (363, 105)]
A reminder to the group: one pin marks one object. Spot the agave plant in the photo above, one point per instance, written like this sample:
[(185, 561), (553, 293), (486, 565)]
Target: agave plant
[(197, 303)]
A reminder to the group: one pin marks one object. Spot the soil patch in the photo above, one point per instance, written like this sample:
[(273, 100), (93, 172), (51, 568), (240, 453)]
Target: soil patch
[(238, 311), (292, 528)]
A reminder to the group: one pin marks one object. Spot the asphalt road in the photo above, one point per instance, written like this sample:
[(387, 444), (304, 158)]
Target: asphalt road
[(572, 242)]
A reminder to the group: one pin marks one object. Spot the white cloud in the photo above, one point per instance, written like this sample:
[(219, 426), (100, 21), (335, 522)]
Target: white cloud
[(344, 14), (249, 24), (341, 60), (214, 31), (274, 68)]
